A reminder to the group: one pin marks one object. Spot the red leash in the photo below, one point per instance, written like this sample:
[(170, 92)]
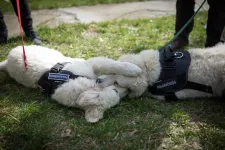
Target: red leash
[(21, 34)]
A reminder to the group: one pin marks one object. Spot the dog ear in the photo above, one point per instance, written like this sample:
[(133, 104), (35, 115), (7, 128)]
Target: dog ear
[(94, 113), (89, 98), (91, 102)]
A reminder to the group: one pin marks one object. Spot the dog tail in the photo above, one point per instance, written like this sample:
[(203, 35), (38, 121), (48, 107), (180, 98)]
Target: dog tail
[(3, 65)]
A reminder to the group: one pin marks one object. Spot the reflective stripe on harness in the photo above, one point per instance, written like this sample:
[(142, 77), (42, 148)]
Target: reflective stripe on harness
[(52, 79), (174, 75)]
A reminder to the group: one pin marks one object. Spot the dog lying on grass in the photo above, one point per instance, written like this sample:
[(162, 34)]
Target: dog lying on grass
[(205, 75), (69, 81)]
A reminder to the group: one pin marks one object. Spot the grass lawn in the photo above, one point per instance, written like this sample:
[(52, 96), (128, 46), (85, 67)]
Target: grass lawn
[(29, 120), (42, 4)]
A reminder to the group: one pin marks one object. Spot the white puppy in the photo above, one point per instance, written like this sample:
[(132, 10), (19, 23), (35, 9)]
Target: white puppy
[(83, 91), (207, 67)]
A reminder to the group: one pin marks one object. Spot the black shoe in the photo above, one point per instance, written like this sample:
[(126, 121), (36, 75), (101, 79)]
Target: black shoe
[(3, 35), (179, 43), (31, 34), (210, 44)]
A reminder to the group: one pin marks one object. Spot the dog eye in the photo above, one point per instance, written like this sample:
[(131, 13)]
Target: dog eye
[(116, 83), (115, 90), (98, 81)]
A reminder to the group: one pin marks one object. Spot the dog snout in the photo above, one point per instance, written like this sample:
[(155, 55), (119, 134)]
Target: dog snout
[(116, 83), (122, 91)]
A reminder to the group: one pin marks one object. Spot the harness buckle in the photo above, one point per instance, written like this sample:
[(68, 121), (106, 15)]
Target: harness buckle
[(178, 55), (57, 67)]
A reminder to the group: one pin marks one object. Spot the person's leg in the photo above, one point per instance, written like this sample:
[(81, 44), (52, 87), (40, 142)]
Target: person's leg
[(3, 29), (222, 39), (216, 22), (184, 11), (27, 22)]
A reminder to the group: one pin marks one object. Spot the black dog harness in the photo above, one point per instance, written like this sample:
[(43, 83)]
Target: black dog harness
[(52, 79), (174, 75)]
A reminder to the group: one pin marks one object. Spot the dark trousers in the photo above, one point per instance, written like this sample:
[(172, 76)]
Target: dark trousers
[(27, 22), (2, 23), (215, 23)]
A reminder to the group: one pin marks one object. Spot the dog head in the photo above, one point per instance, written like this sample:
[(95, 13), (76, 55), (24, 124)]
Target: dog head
[(97, 100)]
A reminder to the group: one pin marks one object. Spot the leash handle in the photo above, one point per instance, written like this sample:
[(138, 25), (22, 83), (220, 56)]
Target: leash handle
[(21, 34)]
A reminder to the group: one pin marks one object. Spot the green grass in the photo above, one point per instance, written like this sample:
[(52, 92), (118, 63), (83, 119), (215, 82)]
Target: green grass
[(29, 120), (43, 4)]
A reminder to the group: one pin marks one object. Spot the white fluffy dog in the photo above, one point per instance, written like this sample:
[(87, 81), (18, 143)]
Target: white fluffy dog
[(83, 91), (207, 67)]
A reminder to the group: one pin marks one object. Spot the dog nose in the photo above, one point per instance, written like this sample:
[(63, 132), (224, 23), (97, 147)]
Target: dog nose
[(99, 81)]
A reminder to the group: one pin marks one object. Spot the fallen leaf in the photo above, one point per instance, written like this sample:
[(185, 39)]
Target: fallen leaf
[(132, 132)]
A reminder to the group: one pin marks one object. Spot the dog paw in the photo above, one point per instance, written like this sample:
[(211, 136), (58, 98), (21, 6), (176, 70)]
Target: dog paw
[(93, 114), (133, 95), (130, 69)]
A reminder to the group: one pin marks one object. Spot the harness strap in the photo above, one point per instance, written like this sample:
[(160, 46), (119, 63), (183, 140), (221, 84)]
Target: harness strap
[(199, 87), (168, 68), (168, 64), (170, 97), (190, 85)]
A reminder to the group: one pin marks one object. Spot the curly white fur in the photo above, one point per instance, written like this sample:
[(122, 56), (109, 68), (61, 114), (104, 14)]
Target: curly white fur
[(207, 67), (82, 92)]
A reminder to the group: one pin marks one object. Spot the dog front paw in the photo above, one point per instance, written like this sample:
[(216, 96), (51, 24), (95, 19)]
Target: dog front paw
[(131, 69)]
